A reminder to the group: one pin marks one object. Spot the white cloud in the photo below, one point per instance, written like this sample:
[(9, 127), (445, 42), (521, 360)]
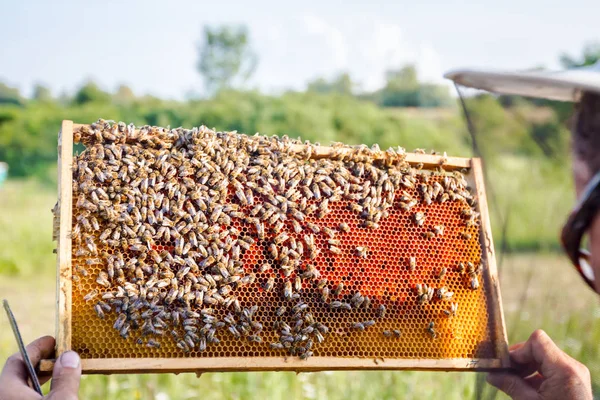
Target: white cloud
[(332, 36), (299, 49), (366, 48)]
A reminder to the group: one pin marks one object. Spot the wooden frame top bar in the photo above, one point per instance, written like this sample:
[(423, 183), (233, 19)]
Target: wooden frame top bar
[(428, 160)]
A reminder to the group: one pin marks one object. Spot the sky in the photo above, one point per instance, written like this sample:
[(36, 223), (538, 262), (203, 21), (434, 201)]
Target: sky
[(152, 46)]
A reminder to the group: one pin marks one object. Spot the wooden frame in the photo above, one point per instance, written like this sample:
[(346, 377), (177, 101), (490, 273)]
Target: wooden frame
[(176, 365)]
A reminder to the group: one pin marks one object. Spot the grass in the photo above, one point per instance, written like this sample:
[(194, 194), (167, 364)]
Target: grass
[(539, 290)]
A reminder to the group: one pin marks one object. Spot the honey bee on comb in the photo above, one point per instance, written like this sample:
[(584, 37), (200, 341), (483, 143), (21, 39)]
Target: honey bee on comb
[(216, 244)]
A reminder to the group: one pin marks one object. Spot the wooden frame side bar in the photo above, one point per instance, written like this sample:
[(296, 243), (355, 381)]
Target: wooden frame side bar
[(487, 247), (230, 364), (63, 257)]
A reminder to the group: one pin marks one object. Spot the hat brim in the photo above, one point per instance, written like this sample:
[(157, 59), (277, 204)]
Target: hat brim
[(558, 85)]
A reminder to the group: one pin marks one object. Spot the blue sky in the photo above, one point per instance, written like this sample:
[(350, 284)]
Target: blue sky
[(152, 46)]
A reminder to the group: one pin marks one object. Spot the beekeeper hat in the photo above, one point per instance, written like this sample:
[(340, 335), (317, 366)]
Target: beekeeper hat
[(565, 85)]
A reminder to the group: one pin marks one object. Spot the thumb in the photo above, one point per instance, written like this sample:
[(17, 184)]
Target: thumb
[(512, 385), (65, 377)]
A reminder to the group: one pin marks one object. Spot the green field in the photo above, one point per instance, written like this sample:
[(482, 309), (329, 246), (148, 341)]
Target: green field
[(539, 291)]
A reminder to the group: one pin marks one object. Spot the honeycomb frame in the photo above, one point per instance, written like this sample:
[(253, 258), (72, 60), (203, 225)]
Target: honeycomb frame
[(94, 365)]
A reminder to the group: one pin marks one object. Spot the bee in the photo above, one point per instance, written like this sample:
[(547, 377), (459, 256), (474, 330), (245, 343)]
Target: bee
[(450, 312), (419, 218), (470, 267), (362, 251), (298, 284), (425, 293), (102, 279), (442, 273), (90, 296), (438, 230), (357, 300), (280, 311), (241, 197), (321, 283), (276, 346), (427, 198), (335, 304), (328, 231), (381, 311), (387, 334), (273, 251), (428, 235), (120, 321), (324, 293), (281, 238), (444, 294), (297, 227), (265, 267), (461, 268), (431, 330), (397, 333), (153, 344), (99, 311), (367, 303), (182, 344), (335, 250), (474, 283), (465, 235), (368, 324), (412, 263), (466, 213), (359, 326), (338, 289), (343, 227), (287, 291), (269, 284)]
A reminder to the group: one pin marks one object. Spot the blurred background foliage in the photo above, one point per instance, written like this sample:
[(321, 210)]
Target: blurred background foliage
[(523, 142)]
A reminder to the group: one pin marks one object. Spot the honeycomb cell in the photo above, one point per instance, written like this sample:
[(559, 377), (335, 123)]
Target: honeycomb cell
[(373, 261)]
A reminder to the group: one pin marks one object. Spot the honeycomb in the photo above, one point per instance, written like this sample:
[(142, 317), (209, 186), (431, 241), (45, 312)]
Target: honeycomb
[(383, 273)]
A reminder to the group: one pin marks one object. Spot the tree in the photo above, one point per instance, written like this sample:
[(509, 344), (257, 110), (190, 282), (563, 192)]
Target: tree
[(41, 93), (124, 95), (226, 57), (403, 89), (342, 84), (10, 95), (90, 92), (590, 56)]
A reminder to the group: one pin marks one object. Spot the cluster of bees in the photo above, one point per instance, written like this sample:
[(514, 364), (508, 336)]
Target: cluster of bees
[(155, 206)]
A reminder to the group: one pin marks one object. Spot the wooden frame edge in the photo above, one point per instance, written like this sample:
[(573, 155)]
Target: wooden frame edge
[(176, 365), (487, 245), (63, 257), (314, 364)]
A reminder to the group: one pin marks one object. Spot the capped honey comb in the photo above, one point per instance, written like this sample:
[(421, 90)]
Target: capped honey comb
[(384, 263)]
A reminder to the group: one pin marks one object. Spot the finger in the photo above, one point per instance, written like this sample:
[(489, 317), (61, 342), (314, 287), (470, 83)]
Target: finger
[(16, 388), (516, 346), (65, 377), (524, 370), (535, 381), (540, 351), (38, 349), (512, 385)]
